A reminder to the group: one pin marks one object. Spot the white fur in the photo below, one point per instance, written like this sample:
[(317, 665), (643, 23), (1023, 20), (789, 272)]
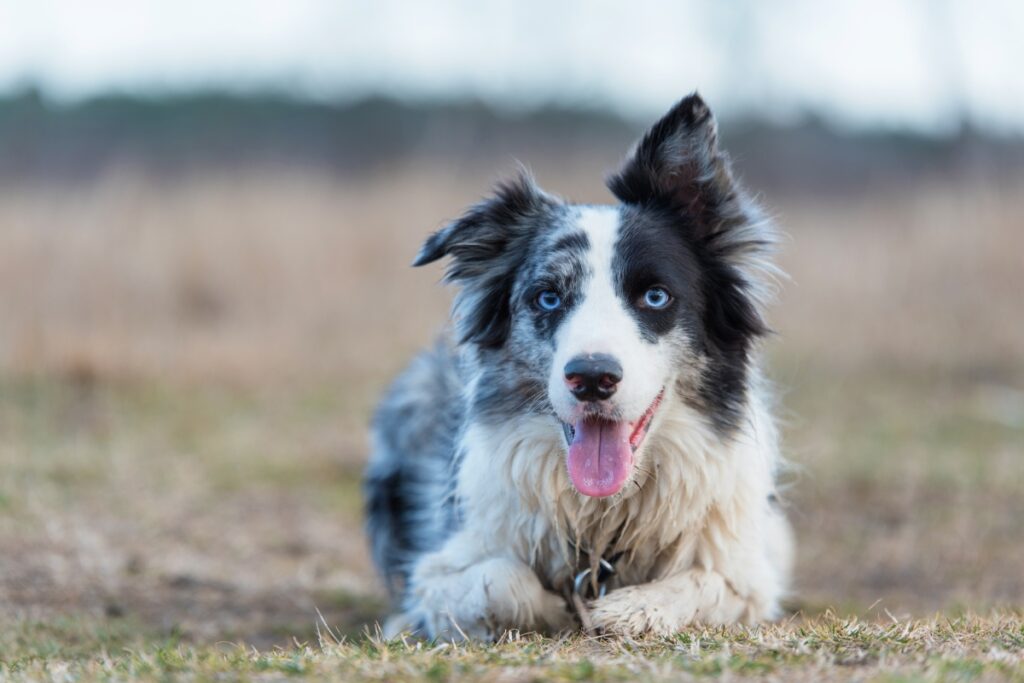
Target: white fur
[(704, 544), (601, 324)]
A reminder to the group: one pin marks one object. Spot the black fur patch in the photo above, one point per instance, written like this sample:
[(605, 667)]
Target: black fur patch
[(652, 251), (571, 244), (731, 324), (675, 161)]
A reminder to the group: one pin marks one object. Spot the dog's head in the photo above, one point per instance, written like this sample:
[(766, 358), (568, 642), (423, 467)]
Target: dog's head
[(599, 316)]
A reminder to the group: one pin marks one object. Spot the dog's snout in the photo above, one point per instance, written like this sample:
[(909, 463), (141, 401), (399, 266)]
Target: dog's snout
[(593, 377)]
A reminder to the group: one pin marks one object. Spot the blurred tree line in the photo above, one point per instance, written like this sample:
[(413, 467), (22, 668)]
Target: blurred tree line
[(41, 140)]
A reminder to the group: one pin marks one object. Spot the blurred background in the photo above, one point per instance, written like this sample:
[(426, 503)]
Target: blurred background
[(207, 211)]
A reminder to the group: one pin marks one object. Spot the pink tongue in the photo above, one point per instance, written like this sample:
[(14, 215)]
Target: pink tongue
[(600, 457)]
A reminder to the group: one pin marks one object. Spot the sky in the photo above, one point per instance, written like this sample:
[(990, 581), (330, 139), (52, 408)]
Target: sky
[(919, 64)]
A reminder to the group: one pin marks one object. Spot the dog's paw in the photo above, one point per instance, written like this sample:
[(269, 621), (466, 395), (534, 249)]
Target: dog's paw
[(547, 614), (666, 607), (637, 611), (482, 600)]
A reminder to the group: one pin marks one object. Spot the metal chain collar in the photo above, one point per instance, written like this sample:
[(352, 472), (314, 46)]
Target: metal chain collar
[(588, 585)]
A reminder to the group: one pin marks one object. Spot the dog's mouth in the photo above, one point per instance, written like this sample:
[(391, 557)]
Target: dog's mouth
[(600, 457)]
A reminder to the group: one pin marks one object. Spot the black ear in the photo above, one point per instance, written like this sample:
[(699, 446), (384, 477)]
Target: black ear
[(487, 245), (678, 164), (677, 161)]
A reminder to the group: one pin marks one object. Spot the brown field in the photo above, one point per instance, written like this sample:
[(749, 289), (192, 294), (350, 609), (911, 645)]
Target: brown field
[(187, 368)]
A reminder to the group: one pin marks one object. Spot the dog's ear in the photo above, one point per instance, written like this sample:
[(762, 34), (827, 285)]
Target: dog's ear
[(678, 164), (487, 245), (486, 229), (677, 161)]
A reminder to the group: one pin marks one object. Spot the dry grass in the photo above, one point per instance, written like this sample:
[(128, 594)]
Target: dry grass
[(270, 275), (186, 369), (937, 649)]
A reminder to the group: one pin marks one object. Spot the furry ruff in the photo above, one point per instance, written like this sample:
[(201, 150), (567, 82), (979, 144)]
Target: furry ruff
[(599, 403)]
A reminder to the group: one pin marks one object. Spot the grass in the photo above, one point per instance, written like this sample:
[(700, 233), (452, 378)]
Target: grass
[(966, 648), (183, 402)]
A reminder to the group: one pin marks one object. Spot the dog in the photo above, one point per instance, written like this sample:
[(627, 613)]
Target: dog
[(593, 443)]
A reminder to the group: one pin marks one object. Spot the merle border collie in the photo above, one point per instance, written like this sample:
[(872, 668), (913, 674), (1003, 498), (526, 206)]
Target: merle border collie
[(594, 445)]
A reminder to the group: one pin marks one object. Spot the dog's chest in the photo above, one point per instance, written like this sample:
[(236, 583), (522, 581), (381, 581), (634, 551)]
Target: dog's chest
[(609, 548)]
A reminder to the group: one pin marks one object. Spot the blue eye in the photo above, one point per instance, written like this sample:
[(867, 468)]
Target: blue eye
[(549, 301), (656, 297)]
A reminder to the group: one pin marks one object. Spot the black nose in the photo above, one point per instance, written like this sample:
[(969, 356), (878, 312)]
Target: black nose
[(594, 377)]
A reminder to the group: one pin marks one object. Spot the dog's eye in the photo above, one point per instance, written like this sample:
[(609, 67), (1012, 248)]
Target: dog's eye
[(549, 301), (656, 298)]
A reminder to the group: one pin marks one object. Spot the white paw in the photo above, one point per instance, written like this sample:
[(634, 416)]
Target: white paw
[(482, 601), (666, 607), (637, 611)]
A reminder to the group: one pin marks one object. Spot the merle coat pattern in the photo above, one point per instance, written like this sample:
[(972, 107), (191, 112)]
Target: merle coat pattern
[(599, 396)]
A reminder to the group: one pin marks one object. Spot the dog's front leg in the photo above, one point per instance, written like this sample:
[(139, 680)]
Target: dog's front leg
[(454, 595), (667, 606)]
